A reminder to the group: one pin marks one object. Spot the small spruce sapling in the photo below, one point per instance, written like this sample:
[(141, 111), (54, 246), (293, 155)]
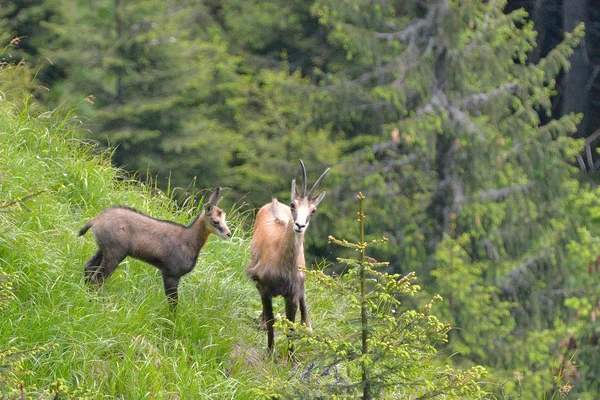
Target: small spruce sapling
[(377, 350)]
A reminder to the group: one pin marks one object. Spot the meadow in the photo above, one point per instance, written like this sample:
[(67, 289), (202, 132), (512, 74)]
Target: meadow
[(120, 341)]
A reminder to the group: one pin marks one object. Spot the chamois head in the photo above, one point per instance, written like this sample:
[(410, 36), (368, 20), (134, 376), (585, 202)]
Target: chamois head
[(214, 220), (304, 206)]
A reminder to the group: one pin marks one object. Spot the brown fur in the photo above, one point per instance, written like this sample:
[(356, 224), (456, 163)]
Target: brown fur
[(277, 252), (171, 247)]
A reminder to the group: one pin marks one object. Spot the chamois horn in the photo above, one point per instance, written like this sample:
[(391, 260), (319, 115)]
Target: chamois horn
[(312, 191), (303, 179)]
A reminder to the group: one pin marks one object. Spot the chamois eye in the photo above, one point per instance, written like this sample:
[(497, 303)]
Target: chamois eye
[(314, 210), (292, 206), (215, 222)]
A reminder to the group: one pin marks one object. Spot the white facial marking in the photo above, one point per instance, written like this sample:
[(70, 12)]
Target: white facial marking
[(219, 225), (226, 232), (302, 218)]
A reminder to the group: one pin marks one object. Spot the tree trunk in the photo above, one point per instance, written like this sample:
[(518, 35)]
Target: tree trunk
[(119, 34), (576, 90)]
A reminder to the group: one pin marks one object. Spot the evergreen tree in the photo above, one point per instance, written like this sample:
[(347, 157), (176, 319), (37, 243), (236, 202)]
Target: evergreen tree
[(142, 76), (576, 363), (475, 187), (160, 82), (381, 349)]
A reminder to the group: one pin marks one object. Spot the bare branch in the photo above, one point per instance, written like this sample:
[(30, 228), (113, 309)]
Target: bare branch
[(412, 31), (20, 199), (519, 271), (395, 71), (439, 101), (380, 148), (515, 275), (422, 29), (501, 194), (476, 100), (582, 166), (366, 77), (388, 165), (459, 117)]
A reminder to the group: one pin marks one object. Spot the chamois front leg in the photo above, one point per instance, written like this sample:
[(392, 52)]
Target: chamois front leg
[(267, 303), (171, 283), (304, 312), (291, 307)]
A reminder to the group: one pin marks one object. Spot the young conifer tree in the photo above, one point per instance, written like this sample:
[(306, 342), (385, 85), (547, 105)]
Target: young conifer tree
[(379, 348)]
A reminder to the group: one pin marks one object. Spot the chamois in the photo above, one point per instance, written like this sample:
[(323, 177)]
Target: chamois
[(173, 248), (277, 252)]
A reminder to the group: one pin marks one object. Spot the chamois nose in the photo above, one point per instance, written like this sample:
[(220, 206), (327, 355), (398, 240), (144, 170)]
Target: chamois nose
[(228, 234), (299, 227)]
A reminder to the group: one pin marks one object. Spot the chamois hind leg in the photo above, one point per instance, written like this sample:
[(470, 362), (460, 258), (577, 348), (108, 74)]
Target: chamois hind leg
[(269, 318), (92, 265), (171, 283), (109, 264)]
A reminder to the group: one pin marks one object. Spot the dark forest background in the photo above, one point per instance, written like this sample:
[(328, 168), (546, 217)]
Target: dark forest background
[(472, 127)]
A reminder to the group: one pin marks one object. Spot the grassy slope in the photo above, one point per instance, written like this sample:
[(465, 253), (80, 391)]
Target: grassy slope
[(120, 342)]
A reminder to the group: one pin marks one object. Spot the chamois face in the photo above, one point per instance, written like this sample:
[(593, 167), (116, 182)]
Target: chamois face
[(303, 208), (214, 217), (215, 221)]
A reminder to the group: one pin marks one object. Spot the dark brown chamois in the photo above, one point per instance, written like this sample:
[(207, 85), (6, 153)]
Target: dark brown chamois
[(171, 247), (277, 252)]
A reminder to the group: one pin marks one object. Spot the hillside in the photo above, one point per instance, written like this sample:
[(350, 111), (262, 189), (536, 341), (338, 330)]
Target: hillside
[(121, 340)]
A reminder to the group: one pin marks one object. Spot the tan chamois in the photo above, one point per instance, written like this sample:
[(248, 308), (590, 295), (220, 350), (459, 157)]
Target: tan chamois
[(277, 252), (171, 247)]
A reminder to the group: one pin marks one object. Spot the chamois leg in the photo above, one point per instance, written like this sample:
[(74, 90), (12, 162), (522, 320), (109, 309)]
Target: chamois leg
[(91, 266), (304, 312), (171, 283), (267, 304), (262, 322), (109, 264), (291, 307)]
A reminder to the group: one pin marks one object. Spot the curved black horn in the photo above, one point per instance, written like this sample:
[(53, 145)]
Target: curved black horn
[(317, 183), (303, 179)]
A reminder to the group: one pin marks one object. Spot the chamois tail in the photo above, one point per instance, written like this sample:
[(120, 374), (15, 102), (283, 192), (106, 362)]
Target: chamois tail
[(85, 228)]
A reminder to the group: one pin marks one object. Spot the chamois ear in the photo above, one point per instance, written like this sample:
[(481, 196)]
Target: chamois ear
[(212, 200), (318, 199), (295, 193)]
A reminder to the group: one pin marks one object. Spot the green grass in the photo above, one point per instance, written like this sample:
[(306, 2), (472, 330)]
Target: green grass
[(120, 341)]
